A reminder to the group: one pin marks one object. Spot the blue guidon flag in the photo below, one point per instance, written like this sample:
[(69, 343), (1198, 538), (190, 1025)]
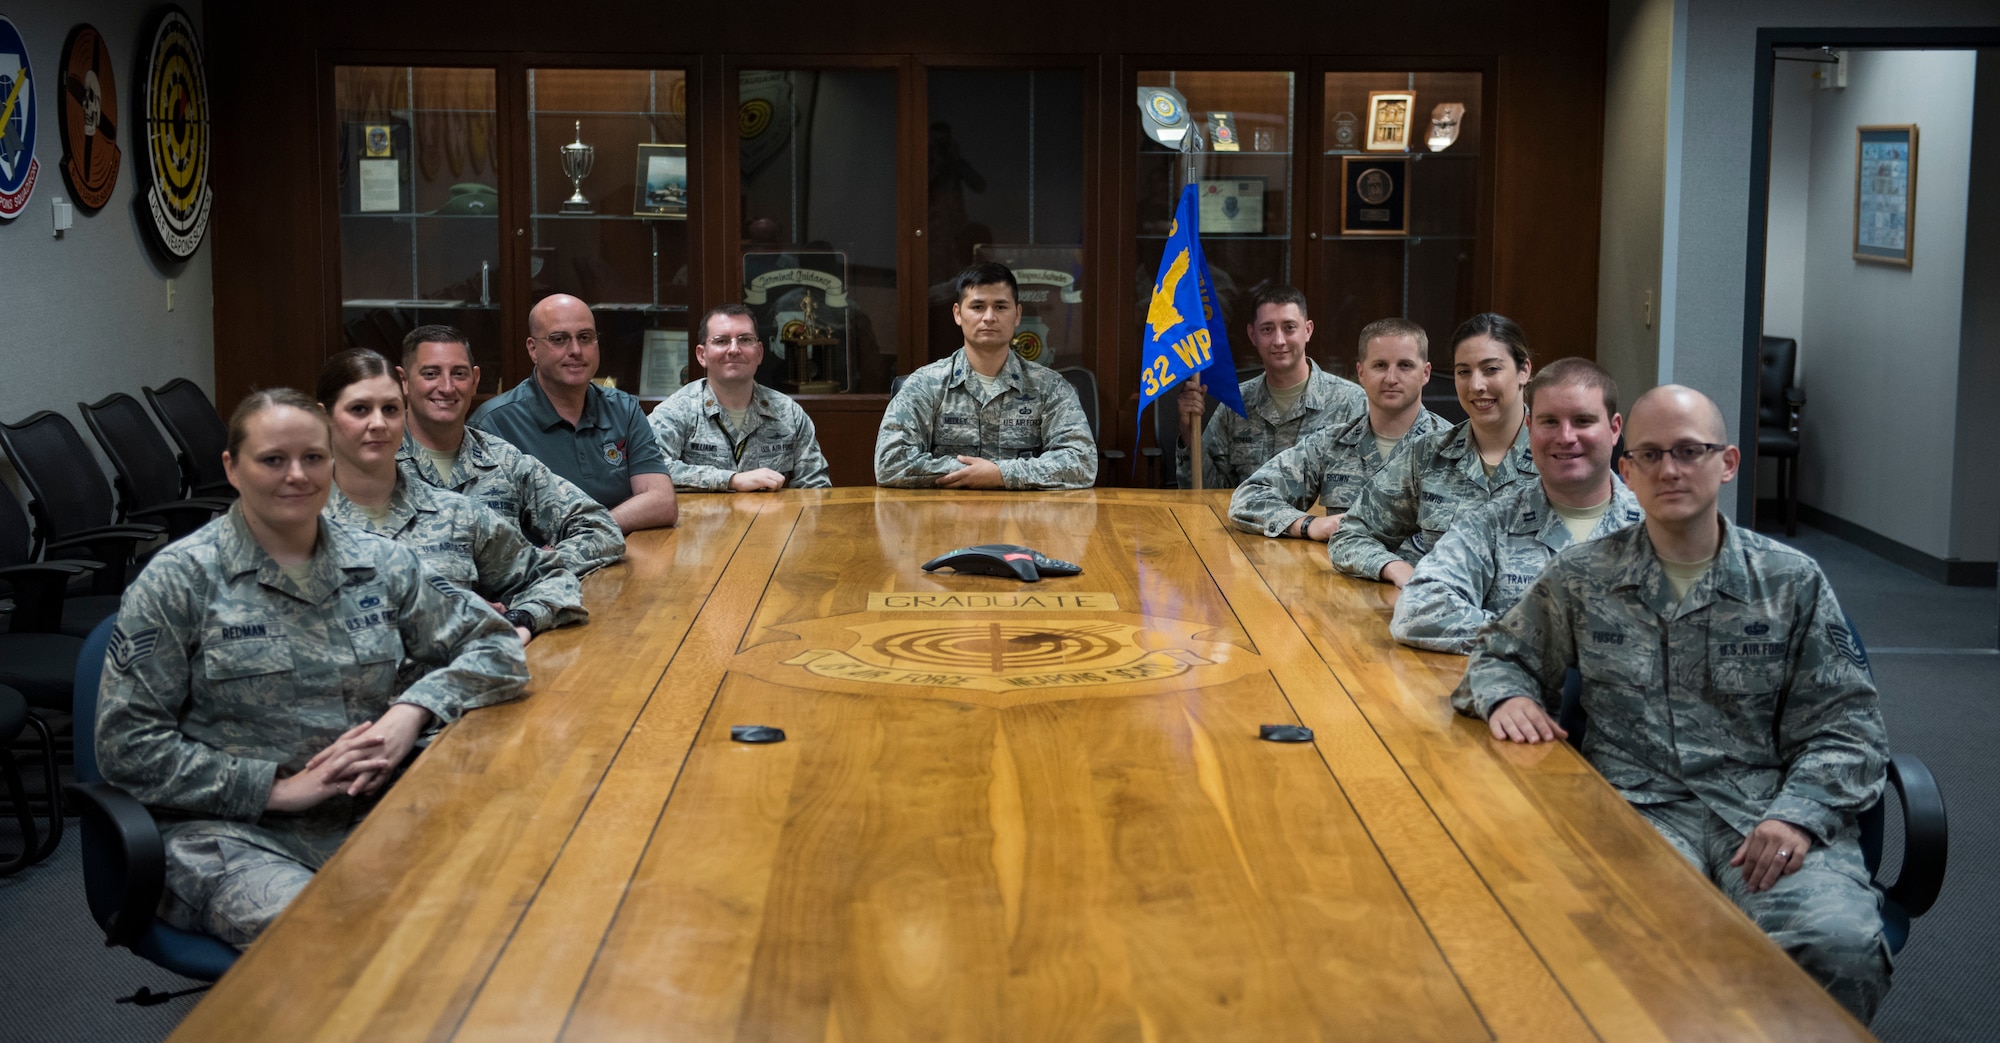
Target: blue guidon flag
[(1184, 328)]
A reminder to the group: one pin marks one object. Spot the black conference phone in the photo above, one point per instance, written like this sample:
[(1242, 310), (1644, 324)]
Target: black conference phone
[(1003, 559)]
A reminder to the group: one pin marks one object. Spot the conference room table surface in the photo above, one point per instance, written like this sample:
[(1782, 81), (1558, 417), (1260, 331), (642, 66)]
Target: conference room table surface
[(1001, 811)]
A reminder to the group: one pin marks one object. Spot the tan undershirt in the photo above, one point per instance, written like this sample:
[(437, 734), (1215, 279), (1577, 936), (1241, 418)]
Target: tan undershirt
[(734, 419), (1385, 446), (441, 461), (1681, 575), (984, 383), (297, 573), (379, 512), (1287, 398), (1581, 520)]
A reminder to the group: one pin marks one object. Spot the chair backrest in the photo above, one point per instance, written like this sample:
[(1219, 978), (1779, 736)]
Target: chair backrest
[(1777, 360), (17, 541), (896, 384), (83, 699), (70, 493), (191, 420), (148, 474), (1085, 384)]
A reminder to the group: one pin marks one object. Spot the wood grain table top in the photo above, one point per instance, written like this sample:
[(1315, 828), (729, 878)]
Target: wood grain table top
[(1002, 811)]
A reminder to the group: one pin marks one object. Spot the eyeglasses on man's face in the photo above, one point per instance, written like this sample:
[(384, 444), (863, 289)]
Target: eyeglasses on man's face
[(743, 341), (1686, 455), (560, 339)]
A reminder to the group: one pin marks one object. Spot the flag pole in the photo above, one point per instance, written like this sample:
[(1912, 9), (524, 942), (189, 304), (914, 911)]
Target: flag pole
[(1191, 148)]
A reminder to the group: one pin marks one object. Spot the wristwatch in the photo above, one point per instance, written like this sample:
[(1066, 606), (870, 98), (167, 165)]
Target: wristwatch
[(519, 618)]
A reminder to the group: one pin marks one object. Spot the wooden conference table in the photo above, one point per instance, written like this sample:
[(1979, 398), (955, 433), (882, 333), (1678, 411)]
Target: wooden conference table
[(1002, 811)]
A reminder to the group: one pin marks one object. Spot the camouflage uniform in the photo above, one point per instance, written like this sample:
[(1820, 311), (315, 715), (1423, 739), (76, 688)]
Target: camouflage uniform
[(474, 548), (1747, 700), (1484, 564), (547, 508), (224, 674), (1328, 467), (1413, 500), (702, 455), (1032, 426), (1238, 445)]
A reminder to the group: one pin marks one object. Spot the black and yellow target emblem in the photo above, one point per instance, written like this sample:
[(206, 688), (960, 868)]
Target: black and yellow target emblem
[(173, 111), (753, 117), (1028, 345)]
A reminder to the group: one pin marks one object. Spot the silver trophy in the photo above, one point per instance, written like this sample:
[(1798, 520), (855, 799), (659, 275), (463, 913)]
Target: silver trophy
[(577, 158)]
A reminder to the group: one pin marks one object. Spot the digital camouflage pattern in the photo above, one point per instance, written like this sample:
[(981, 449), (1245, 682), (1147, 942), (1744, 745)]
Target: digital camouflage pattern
[(548, 509), (222, 673), (474, 548), (1409, 505), (1749, 699), (1486, 562), (702, 455), (1031, 425), (1236, 446), (1328, 467)]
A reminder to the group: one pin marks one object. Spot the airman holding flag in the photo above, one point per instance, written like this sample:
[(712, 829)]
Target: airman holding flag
[(1184, 331)]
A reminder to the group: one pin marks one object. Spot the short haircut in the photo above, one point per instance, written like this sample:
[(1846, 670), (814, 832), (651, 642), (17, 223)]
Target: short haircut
[(986, 273), (1582, 373), (1500, 328), (732, 309), (1280, 295), (1393, 328), (435, 333), (271, 398), (349, 367)]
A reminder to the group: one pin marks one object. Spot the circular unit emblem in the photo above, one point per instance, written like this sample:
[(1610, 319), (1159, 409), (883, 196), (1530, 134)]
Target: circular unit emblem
[(1164, 108), (752, 117), (173, 111), (1003, 649), (18, 165), (1028, 345), (89, 119), (1374, 186)]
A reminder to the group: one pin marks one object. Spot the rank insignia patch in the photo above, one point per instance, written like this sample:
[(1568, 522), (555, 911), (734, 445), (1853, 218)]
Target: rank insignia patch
[(126, 649)]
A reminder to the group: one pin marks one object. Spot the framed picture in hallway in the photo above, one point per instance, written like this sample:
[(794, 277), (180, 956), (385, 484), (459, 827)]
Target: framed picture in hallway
[(1885, 194)]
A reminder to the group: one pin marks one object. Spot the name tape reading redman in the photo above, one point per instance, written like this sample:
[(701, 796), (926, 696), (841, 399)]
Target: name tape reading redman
[(1148, 667), (1073, 601)]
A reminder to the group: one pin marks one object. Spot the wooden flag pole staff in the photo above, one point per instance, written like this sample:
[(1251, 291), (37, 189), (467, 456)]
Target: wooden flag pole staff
[(1191, 147)]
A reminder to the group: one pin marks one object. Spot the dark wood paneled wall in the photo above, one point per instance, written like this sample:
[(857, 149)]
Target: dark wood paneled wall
[(275, 258)]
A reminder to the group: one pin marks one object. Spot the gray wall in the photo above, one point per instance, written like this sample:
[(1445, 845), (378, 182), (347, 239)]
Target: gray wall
[(1640, 49), (1884, 341), (1708, 171), (87, 314)]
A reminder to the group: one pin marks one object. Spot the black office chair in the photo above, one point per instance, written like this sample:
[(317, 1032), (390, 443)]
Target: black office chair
[(1084, 383), (15, 718), (896, 384), (1926, 832), (1779, 404), (148, 477), (124, 858), (37, 592), (194, 425), (71, 503)]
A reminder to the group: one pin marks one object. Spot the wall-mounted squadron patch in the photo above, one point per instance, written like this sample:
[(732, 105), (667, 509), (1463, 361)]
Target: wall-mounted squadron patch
[(172, 105), (18, 165), (89, 119)]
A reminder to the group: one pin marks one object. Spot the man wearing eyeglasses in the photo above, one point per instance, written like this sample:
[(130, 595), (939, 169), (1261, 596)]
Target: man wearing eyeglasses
[(1482, 566), (598, 438), (1727, 699), (728, 433)]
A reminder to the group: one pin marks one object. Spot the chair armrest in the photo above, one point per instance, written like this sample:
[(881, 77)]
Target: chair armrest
[(181, 517), (1150, 451), (124, 860), (112, 544), (133, 531), (1926, 836), (1795, 396), (214, 491), (39, 589)]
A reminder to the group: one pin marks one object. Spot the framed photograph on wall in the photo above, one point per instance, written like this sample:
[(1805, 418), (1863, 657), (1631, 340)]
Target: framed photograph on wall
[(662, 181), (1374, 195), (1885, 194), (1389, 120), (1231, 205)]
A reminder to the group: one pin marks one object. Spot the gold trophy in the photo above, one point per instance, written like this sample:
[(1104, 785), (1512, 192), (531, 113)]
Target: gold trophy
[(801, 335), (577, 158)]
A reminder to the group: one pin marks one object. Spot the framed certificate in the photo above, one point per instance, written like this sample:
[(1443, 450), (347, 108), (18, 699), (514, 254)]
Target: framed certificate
[(1374, 195), (1231, 205), (1885, 194), (1389, 120), (663, 360), (662, 178)]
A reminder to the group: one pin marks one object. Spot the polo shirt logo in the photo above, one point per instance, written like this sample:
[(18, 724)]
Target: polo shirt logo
[(614, 452)]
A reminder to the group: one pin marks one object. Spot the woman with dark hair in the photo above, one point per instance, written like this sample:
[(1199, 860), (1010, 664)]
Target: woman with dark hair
[(250, 696), (1410, 503), (459, 538)]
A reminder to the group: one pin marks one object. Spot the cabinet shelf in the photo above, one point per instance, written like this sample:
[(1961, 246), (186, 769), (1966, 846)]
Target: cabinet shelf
[(1451, 154), (602, 217), (421, 305), (405, 215)]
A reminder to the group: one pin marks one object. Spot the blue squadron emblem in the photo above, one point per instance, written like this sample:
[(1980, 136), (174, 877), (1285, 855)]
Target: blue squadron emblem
[(18, 165), (1165, 108)]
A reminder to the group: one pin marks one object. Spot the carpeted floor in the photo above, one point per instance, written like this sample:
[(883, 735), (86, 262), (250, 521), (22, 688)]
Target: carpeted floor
[(58, 984)]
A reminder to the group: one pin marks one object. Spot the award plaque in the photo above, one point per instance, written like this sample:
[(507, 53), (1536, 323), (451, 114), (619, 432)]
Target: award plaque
[(1375, 195), (1231, 205), (662, 178), (1389, 120), (1164, 115), (1445, 121), (1343, 132), (1222, 132)]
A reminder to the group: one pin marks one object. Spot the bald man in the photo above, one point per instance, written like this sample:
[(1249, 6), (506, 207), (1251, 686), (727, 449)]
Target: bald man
[(1727, 700), (598, 438)]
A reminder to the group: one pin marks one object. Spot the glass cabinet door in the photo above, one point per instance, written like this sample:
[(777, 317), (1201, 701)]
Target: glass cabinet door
[(417, 174), (1005, 168), (1244, 170), (1398, 223), (609, 193), (818, 225)]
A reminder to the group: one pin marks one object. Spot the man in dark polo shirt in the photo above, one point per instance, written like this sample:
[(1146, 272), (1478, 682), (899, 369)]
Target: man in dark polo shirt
[(597, 438)]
